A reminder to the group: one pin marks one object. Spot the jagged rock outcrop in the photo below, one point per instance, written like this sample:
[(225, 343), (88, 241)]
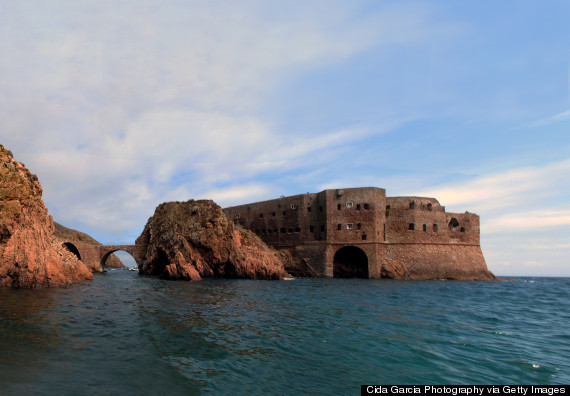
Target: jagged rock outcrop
[(30, 255), (194, 239), (71, 235)]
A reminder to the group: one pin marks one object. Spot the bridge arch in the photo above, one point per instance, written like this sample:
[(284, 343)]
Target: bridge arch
[(350, 262), (72, 248), (106, 251)]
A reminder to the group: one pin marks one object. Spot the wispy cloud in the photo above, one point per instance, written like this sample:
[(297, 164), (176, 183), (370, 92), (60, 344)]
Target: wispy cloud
[(560, 117), (511, 190), (523, 221)]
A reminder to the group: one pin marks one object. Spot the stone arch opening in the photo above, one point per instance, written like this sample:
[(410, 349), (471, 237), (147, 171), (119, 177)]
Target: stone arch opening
[(109, 253), (453, 224), (72, 248), (350, 262)]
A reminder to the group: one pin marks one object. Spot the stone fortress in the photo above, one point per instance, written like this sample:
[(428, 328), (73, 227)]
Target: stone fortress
[(360, 232)]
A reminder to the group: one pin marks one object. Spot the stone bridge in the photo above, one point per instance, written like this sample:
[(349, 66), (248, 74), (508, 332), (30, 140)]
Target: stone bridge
[(95, 256)]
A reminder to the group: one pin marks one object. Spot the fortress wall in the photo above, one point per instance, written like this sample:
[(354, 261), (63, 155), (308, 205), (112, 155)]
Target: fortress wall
[(313, 257), (425, 261), (355, 214), (430, 222), (314, 226), (282, 222)]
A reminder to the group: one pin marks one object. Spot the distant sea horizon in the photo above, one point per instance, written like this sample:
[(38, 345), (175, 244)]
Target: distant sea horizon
[(134, 334)]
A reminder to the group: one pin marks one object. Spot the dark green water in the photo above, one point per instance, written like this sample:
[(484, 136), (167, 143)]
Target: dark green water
[(128, 334)]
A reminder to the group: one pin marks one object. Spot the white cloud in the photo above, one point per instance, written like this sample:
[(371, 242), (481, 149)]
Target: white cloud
[(527, 187), (523, 221)]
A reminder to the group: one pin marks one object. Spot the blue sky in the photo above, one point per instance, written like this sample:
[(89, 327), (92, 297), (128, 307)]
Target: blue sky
[(119, 106)]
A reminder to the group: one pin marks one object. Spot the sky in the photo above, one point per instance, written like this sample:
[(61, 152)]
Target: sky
[(119, 106)]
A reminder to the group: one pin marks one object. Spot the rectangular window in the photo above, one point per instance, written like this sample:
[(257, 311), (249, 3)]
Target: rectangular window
[(309, 209), (293, 206), (339, 206), (339, 227), (349, 204), (237, 216), (349, 226), (312, 228), (366, 206), (261, 215), (322, 228), (359, 226), (357, 206)]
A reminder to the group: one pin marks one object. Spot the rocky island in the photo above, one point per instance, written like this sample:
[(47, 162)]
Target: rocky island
[(195, 239)]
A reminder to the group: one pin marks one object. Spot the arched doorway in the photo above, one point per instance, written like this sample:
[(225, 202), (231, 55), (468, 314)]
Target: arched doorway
[(350, 262), (72, 248)]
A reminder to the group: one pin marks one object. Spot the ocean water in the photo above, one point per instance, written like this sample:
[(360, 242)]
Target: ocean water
[(125, 333)]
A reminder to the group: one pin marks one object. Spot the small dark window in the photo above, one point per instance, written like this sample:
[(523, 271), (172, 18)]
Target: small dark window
[(387, 210), (269, 231), (320, 208), (363, 237), (339, 206), (357, 206), (323, 228), (309, 209), (312, 228), (412, 205), (275, 230), (429, 206), (339, 227), (298, 229), (284, 213), (366, 206), (411, 226), (283, 230), (273, 214), (290, 230), (261, 215), (359, 226), (462, 229), (425, 227), (435, 228), (237, 216)]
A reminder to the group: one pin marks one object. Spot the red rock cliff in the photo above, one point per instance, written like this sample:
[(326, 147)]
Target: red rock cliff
[(195, 239), (30, 255)]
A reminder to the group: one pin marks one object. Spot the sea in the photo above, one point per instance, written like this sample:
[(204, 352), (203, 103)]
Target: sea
[(130, 334)]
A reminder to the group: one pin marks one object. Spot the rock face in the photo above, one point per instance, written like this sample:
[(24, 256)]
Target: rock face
[(193, 240), (30, 255), (71, 235)]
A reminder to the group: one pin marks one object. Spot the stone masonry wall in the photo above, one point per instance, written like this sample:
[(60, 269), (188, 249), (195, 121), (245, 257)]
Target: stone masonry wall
[(402, 236)]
